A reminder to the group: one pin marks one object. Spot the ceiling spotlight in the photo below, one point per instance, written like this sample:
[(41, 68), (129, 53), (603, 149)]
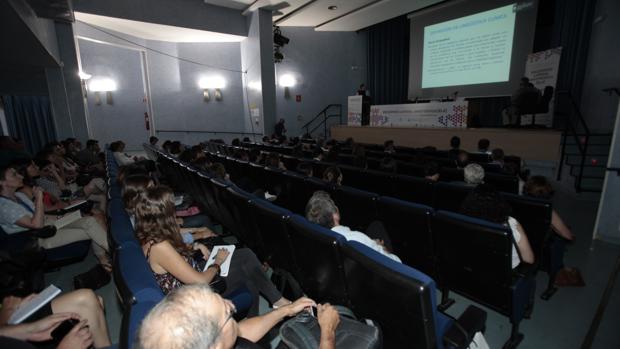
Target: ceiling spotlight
[(332, 7)]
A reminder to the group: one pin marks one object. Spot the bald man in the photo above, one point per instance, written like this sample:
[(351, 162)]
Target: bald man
[(194, 317)]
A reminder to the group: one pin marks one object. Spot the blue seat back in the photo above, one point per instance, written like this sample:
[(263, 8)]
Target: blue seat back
[(130, 324), (318, 257), (401, 299), (408, 226), (358, 208), (474, 258), (271, 223)]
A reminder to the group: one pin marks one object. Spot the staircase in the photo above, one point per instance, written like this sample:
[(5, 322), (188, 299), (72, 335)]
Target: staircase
[(594, 159), (320, 120)]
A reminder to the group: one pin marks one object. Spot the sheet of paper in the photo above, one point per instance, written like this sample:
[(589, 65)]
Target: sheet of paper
[(226, 265)]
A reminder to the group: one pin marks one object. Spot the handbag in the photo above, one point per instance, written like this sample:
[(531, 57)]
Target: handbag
[(303, 332)]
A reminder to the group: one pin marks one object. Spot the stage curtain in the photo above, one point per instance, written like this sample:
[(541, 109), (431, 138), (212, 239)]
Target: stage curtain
[(388, 61), (30, 118)]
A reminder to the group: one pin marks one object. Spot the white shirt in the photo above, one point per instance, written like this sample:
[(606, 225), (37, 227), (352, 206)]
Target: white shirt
[(517, 236), (362, 238), (123, 159)]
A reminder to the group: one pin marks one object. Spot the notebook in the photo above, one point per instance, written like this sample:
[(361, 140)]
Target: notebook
[(28, 308), (64, 220), (75, 205), (226, 265)]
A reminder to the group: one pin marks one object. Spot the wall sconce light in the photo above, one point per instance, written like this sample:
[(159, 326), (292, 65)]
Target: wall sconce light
[(106, 85), (212, 82), (287, 81)]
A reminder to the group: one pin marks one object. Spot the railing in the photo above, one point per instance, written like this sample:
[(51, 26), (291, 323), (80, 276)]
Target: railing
[(582, 144), (323, 116)]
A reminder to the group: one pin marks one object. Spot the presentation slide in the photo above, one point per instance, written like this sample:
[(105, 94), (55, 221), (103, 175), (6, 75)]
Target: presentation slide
[(476, 49)]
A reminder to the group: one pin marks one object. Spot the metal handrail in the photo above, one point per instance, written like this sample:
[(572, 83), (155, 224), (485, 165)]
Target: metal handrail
[(582, 146), (325, 116)]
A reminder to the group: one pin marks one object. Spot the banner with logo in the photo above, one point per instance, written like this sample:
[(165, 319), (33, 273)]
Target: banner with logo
[(433, 114), (542, 70), (354, 111)]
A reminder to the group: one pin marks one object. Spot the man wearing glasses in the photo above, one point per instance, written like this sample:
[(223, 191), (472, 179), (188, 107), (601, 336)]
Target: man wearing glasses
[(195, 317)]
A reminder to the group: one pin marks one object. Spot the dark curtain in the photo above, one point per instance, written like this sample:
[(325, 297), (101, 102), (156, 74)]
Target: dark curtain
[(388, 61), (571, 30), (30, 118)]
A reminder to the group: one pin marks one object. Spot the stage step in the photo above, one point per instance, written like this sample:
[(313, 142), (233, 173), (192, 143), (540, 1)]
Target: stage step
[(593, 149), (596, 158), (590, 160), (589, 171), (595, 139), (592, 184)]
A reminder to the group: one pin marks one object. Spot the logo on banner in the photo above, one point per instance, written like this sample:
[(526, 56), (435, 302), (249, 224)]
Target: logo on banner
[(457, 118), (377, 118)]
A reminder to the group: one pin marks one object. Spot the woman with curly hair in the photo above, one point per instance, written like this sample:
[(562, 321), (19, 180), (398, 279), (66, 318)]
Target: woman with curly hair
[(175, 263)]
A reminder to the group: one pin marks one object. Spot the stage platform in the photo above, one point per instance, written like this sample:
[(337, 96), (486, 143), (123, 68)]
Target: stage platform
[(529, 144)]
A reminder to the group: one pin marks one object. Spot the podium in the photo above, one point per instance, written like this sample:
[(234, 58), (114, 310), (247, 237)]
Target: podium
[(358, 111)]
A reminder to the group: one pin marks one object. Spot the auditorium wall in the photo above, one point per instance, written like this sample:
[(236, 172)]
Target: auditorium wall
[(328, 67), (176, 99), (602, 70)]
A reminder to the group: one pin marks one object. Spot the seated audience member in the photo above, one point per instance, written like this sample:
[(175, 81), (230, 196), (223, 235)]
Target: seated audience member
[(455, 147), (166, 146), (266, 140), (256, 156), (333, 153), (485, 202), (273, 161), (305, 168), (174, 263), (18, 214), (431, 171), (322, 210), (359, 156), (153, 141), (473, 174), (192, 227), (388, 147), (483, 146), (82, 305), (210, 324), (497, 157), (462, 159), (298, 150), (235, 142), (52, 182), (332, 175), (89, 156), (319, 154), (512, 169), (540, 187), (122, 159), (388, 164), (30, 172), (176, 148)]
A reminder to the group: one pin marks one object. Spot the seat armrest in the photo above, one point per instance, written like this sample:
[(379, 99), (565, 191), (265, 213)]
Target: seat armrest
[(462, 331)]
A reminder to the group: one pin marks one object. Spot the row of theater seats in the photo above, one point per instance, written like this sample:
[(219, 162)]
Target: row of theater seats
[(409, 160), (136, 288), (465, 255), (360, 202), (381, 182)]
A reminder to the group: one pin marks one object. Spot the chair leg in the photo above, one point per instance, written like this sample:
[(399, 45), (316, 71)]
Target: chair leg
[(515, 337), (446, 301)]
